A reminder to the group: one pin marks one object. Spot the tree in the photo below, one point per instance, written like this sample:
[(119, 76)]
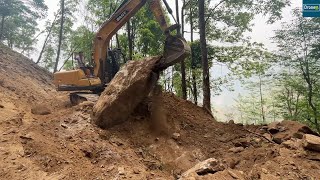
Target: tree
[(53, 36), (19, 21), (183, 66), (49, 30), (298, 42), (289, 95), (204, 58), (60, 35), (224, 22)]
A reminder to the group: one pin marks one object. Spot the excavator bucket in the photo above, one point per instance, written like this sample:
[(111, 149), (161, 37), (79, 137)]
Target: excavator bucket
[(176, 49)]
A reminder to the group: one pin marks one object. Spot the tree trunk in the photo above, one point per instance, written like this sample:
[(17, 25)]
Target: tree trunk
[(183, 66), (194, 82), (46, 40), (129, 40), (261, 100), (60, 36), (310, 99), (204, 57), (2, 27)]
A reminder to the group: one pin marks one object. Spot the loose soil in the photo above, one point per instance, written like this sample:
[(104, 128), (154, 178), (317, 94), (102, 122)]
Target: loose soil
[(163, 138)]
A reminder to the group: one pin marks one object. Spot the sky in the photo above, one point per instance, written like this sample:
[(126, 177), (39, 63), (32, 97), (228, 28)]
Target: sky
[(261, 32)]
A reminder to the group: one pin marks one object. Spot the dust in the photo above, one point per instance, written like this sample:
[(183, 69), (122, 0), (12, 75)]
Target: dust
[(158, 114)]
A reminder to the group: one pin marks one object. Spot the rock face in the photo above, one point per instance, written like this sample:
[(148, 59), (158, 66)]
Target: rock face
[(127, 89), (311, 142)]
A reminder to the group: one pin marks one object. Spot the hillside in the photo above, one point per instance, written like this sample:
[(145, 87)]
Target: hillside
[(44, 137)]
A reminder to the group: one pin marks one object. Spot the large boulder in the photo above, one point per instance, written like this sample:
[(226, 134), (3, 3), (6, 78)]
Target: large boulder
[(127, 89)]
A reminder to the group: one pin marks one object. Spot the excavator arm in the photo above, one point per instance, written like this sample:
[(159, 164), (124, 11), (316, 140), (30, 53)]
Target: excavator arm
[(176, 48)]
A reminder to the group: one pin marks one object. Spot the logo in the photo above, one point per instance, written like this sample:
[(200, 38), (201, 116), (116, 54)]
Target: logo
[(310, 7), (122, 15)]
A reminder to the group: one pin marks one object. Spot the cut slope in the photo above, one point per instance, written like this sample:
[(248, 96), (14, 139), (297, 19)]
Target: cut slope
[(23, 77)]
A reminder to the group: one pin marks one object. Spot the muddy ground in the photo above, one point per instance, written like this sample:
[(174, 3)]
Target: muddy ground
[(43, 137)]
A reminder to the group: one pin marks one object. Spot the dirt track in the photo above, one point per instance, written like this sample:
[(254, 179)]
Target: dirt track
[(164, 138)]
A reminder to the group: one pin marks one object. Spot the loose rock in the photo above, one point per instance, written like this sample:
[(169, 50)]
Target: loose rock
[(311, 142), (268, 136), (292, 144), (208, 166), (40, 110), (236, 149), (175, 136), (273, 127), (136, 170), (234, 175), (121, 171)]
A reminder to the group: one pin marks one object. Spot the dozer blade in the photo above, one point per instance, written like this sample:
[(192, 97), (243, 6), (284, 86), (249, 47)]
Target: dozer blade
[(176, 49)]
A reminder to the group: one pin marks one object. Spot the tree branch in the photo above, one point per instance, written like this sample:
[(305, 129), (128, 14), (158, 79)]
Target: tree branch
[(213, 10)]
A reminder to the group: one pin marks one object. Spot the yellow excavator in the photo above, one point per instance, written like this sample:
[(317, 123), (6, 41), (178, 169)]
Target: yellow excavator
[(97, 77)]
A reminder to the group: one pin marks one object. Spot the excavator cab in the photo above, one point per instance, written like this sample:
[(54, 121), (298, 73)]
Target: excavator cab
[(115, 59)]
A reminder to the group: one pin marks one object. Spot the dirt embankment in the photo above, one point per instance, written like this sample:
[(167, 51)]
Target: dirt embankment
[(163, 139)]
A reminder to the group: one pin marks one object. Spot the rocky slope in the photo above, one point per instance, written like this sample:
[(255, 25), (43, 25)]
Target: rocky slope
[(165, 138)]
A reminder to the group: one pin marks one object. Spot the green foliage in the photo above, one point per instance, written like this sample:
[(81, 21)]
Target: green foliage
[(18, 22), (246, 60), (291, 89), (146, 33), (249, 108), (81, 40), (227, 20), (298, 42), (226, 23), (48, 58), (68, 44)]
